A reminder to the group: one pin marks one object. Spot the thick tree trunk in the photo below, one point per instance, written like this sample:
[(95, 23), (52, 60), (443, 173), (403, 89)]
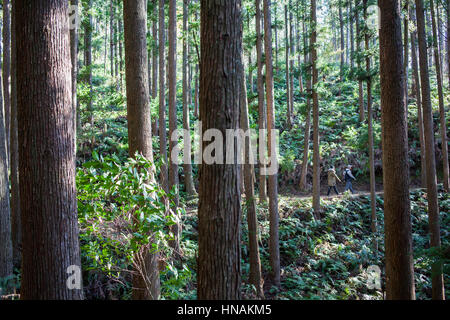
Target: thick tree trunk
[(397, 213), (146, 274), (255, 276), (48, 198), (219, 212), (439, 76), (274, 246), (406, 56), (187, 166), (315, 98), (261, 106), (433, 207)]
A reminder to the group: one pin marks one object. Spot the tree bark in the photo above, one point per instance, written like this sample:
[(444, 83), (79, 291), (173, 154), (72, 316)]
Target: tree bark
[(164, 175), (437, 61), (373, 198), (145, 282), (255, 276), (219, 213), (6, 72), (187, 166), (48, 198), (397, 213), (288, 72), (315, 98), (423, 171), (360, 83), (274, 246), (261, 106), (74, 59), (433, 207)]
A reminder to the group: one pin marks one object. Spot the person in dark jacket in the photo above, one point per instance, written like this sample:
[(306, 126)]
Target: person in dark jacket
[(348, 178)]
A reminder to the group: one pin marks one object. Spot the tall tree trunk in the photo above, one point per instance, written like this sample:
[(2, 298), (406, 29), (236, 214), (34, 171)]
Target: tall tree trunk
[(437, 61), (111, 32), (16, 225), (162, 98), (155, 53), (352, 38), (373, 198), (6, 72), (315, 98), (187, 166), (423, 171), (6, 251), (307, 57), (261, 106), (74, 58), (88, 59), (288, 72), (360, 83), (219, 212), (433, 207), (341, 26), (397, 212), (172, 70), (406, 56), (146, 275), (274, 246), (48, 198), (255, 276)]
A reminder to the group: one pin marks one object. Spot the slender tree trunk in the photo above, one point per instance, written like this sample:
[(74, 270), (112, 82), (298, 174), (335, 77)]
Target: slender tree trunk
[(146, 274), (419, 105), (261, 106), (6, 251), (406, 56), (219, 214), (373, 198), (16, 225), (6, 72), (448, 42), (88, 59), (188, 180), (48, 198), (397, 212), (360, 83), (437, 61), (315, 98), (74, 58), (274, 247), (433, 207), (352, 38), (288, 72), (111, 32), (341, 26), (155, 53), (162, 98), (172, 70), (255, 276)]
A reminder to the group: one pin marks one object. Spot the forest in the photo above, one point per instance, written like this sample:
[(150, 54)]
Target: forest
[(224, 150)]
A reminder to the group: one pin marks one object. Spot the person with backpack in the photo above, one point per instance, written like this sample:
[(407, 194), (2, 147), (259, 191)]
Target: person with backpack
[(348, 178), (332, 177)]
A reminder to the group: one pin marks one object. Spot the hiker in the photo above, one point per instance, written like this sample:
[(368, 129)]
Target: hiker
[(348, 177), (332, 176)]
